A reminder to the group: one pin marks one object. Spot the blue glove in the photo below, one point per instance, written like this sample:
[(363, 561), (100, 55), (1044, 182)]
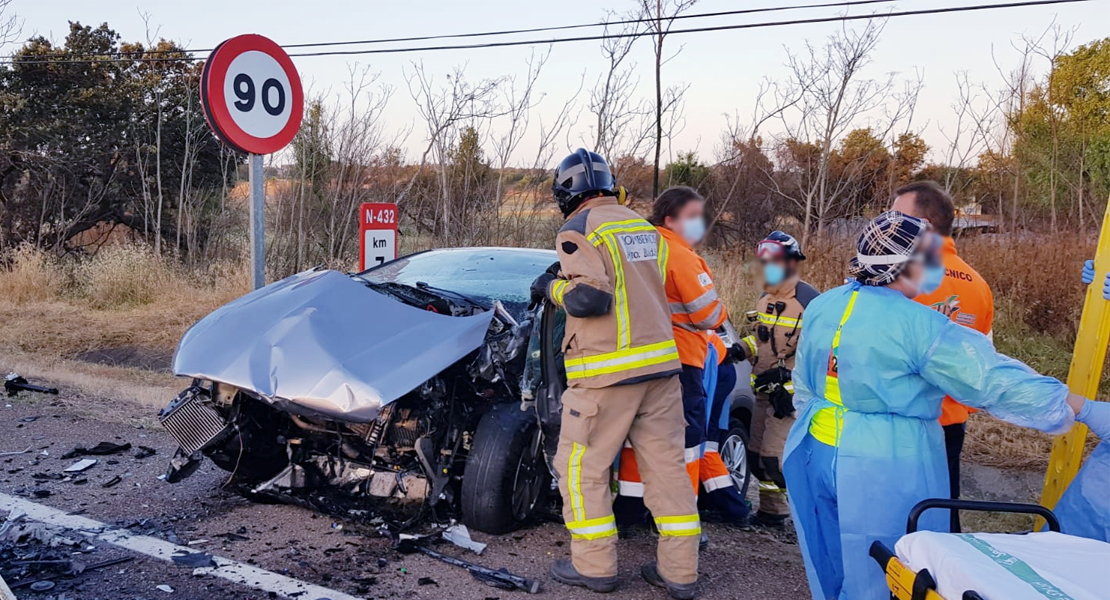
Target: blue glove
[(1106, 287), (1096, 415), (1088, 272)]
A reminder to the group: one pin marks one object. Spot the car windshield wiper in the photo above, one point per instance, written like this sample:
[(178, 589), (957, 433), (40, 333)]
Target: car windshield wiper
[(450, 294)]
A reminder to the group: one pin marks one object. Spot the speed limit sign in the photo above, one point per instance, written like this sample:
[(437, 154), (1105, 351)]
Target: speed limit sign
[(253, 101), (252, 94)]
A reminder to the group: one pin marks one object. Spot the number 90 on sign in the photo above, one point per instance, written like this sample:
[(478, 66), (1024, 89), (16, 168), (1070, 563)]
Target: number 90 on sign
[(260, 88)]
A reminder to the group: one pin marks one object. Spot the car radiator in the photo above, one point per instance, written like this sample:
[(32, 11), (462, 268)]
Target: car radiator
[(192, 420)]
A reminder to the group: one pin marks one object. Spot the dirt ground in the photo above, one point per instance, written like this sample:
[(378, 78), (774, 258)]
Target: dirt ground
[(342, 555)]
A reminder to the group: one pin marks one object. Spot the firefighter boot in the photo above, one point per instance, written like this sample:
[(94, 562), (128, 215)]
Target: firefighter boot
[(564, 572), (678, 591)]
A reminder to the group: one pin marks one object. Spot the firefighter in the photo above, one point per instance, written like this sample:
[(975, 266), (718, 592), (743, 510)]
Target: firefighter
[(696, 310), (771, 349), (963, 296), (622, 370)]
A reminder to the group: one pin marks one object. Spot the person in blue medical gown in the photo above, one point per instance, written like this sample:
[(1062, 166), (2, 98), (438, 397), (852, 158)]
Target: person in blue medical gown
[(871, 371), (1084, 509)]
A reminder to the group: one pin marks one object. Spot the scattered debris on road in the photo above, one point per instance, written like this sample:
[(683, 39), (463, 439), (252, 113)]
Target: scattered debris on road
[(194, 560), (17, 452), (459, 535), (144, 452), (500, 578), (82, 465), (15, 383), (101, 449)]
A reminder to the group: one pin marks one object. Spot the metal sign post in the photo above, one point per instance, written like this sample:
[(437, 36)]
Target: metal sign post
[(254, 103), (258, 228)]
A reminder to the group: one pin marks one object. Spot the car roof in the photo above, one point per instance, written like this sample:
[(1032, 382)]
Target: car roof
[(504, 249)]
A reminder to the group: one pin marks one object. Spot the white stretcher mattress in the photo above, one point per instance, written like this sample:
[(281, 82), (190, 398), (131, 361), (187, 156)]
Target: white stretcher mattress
[(1002, 566)]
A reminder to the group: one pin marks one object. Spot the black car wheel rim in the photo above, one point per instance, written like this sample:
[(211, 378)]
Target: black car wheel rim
[(528, 479)]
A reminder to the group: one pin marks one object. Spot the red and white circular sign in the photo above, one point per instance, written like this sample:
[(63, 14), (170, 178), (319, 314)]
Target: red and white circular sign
[(252, 94)]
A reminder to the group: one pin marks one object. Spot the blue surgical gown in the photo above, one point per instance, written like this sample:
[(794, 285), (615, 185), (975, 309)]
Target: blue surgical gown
[(1084, 509), (897, 360)]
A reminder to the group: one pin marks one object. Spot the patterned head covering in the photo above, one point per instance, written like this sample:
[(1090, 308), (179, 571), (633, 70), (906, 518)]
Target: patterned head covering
[(888, 243)]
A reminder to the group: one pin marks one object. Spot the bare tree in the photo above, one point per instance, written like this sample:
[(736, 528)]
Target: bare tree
[(1051, 52), (11, 24), (622, 123), (443, 109), (660, 16), (826, 95), (971, 133)]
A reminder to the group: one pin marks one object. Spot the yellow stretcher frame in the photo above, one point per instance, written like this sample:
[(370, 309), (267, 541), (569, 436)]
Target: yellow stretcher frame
[(1083, 377)]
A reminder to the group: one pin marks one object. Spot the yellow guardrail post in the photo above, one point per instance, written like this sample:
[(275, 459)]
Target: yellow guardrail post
[(1084, 375)]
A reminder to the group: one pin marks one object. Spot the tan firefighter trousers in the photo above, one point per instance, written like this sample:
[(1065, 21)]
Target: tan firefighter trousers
[(595, 424), (768, 440)]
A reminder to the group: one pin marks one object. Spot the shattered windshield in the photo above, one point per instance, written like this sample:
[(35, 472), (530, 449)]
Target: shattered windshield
[(485, 274)]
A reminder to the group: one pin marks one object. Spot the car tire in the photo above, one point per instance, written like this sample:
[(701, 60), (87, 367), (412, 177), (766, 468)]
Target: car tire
[(734, 453), (506, 474)]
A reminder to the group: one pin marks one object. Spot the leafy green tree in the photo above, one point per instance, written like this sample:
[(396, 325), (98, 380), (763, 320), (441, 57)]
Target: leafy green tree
[(94, 131)]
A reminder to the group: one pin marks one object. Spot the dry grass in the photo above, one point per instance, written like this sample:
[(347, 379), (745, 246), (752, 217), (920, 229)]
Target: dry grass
[(31, 276), (124, 296)]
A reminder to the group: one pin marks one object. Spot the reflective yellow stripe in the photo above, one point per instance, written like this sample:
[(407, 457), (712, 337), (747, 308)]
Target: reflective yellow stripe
[(621, 360), (683, 525), (558, 288), (620, 294), (750, 341), (772, 320), (612, 227), (664, 256), (828, 422), (574, 481), (593, 528)]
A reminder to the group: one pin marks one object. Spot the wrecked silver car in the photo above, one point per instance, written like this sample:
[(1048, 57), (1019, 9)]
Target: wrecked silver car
[(413, 384)]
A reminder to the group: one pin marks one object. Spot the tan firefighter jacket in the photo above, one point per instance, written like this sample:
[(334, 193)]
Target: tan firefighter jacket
[(611, 284)]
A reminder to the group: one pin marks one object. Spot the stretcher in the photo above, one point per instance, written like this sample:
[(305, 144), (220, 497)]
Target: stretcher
[(928, 565)]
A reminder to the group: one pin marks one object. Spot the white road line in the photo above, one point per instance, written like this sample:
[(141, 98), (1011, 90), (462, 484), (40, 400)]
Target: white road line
[(259, 579)]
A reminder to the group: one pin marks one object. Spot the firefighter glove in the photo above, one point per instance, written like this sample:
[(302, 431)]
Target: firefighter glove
[(540, 285), (782, 401)]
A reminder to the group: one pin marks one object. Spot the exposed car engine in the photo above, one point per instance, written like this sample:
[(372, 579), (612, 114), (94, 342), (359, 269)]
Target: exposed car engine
[(413, 455)]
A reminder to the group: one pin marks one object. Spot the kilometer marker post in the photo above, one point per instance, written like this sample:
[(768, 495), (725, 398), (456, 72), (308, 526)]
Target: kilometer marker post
[(254, 103)]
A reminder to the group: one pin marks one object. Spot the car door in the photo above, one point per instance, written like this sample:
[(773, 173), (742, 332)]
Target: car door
[(553, 375)]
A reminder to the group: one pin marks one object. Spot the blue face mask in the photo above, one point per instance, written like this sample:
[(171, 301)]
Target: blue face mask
[(693, 230), (934, 276), (773, 273)]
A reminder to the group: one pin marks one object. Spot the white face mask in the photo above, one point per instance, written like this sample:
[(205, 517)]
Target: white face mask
[(693, 230)]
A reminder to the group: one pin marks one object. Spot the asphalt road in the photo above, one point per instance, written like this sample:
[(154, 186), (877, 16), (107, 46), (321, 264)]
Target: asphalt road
[(346, 556)]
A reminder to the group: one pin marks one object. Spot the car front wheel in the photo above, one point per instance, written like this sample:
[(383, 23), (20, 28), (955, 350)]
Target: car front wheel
[(506, 474), (734, 453)]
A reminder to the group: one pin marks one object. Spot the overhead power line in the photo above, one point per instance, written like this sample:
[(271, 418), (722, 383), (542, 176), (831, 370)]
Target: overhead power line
[(424, 38), (637, 34)]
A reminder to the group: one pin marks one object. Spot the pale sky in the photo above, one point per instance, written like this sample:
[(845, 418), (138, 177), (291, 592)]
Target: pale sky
[(724, 69)]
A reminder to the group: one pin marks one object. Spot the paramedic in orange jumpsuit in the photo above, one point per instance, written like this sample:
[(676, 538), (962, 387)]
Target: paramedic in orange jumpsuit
[(963, 296), (696, 310)]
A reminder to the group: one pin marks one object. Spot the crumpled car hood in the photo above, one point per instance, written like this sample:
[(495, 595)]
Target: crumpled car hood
[(320, 343)]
